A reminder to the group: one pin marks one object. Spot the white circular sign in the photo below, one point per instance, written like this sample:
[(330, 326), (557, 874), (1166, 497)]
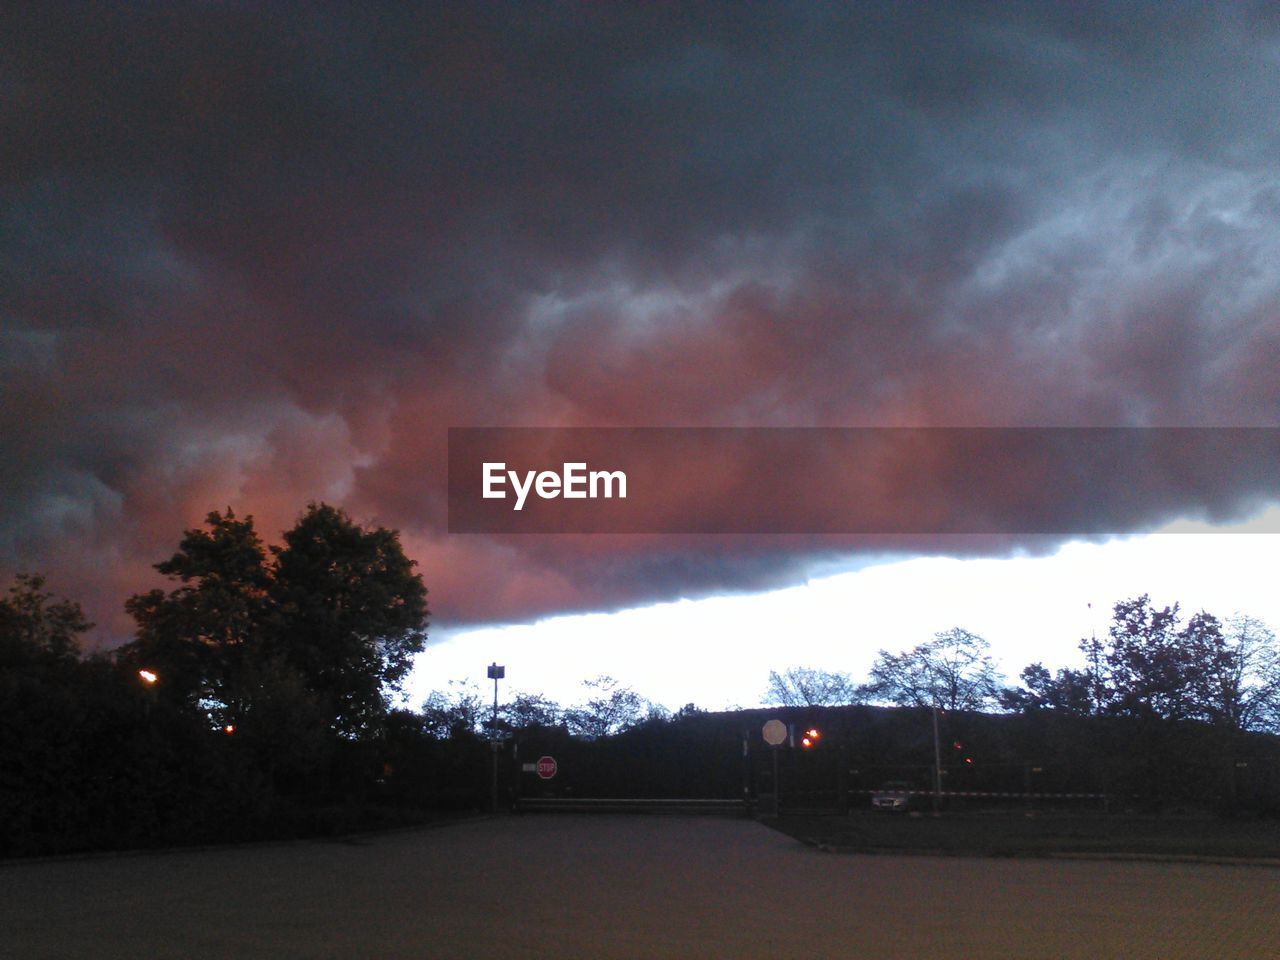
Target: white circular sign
[(774, 732)]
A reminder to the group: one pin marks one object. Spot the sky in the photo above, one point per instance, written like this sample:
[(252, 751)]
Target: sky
[(717, 653), (256, 257)]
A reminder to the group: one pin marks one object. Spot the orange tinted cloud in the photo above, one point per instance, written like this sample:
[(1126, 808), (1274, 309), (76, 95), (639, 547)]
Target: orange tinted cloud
[(255, 261)]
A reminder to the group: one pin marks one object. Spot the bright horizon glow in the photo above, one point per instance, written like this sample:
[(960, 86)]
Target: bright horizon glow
[(717, 652)]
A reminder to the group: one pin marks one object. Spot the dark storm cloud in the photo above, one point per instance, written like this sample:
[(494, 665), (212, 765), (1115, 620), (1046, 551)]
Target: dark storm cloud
[(255, 256)]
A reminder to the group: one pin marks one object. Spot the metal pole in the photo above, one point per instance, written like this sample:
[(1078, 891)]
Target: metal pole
[(493, 734), (937, 764), (777, 788), (496, 672)]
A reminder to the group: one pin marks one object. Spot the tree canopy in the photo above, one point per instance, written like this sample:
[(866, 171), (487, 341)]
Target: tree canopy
[(1152, 664), (336, 612), (610, 708), (36, 626), (810, 687), (351, 612), (953, 671)]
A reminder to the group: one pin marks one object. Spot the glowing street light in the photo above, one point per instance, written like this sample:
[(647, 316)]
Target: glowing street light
[(149, 678)]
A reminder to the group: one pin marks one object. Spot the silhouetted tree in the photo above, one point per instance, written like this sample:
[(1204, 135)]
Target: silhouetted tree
[(953, 671), (527, 710), (1153, 666), (610, 709), (1149, 668), (37, 627), (351, 614), (1068, 691), (457, 711), (1235, 671), (200, 637), (810, 687), (337, 612)]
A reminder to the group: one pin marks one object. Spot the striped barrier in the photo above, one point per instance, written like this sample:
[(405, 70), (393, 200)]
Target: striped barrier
[(983, 793)]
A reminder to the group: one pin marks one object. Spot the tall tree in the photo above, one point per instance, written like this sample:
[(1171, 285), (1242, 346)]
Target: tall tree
[(1151, 665), (352, 613), (810, 687), (1068, 691), (1148, 665), (610, 708), (1234, 673), (327, 622), (953, 671), (526, 710), (456, 712), (199, 637), (36, 626)]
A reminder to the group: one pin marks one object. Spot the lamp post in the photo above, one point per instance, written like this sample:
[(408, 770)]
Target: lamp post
[(148, 678), (496, 673)]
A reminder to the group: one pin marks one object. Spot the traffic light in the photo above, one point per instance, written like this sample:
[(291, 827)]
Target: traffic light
[(811, 738)]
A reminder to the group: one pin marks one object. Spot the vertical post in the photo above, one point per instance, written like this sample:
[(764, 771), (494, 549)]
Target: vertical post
[(515, 771), (496, 673), (842, 773), (937, 764), (777, 787)]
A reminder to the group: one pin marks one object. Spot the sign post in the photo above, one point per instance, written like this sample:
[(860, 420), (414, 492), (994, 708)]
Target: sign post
[(774, 733), (496, 673)]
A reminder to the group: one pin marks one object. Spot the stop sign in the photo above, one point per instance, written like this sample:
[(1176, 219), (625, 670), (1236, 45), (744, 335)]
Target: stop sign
[(546, 767)]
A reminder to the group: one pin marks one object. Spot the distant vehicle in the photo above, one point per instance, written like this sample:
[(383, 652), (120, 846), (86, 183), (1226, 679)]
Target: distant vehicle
[(894, 796)]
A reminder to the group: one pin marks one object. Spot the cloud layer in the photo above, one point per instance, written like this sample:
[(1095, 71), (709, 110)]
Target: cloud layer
[(256, 258)]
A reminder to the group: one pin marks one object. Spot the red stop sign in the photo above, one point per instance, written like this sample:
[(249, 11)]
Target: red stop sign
[(546, 767)]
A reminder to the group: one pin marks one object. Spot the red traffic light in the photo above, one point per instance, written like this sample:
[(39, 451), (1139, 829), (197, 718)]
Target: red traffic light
[(811, 737)]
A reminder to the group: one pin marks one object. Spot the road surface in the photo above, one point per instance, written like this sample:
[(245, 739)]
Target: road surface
[(596, 887)]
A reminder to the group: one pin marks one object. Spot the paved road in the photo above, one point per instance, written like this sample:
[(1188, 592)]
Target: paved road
[(593, 887)]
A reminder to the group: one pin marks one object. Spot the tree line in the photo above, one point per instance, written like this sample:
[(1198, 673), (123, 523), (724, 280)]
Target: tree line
[(1151, 664), (257, 698), (607, 709)]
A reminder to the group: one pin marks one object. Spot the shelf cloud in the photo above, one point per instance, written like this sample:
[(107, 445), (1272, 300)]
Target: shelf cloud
[(253, 258)]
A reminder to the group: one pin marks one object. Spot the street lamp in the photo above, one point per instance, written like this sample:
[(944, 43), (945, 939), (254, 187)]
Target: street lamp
[(496, 673), (148, 677)]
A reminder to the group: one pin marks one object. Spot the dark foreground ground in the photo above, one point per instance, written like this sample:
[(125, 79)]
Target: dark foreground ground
[(1014, 833), (582, 886)]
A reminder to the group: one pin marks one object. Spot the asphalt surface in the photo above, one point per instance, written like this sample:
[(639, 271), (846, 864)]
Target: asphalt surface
[(604, 886)]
